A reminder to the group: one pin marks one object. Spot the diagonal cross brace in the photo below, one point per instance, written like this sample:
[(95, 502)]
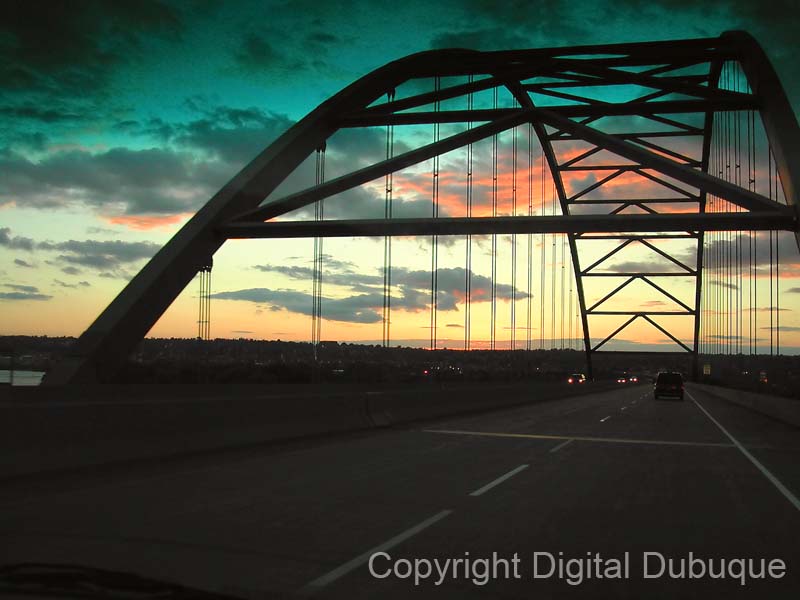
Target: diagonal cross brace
[(703, 181)]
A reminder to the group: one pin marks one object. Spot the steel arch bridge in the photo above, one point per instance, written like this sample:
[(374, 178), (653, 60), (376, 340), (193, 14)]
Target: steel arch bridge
[(652, 110)]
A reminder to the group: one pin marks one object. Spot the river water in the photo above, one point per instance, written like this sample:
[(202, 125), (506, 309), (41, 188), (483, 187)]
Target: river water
[(21, 377)]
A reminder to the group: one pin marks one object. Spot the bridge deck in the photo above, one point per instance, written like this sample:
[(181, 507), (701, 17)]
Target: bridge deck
[(606, 473)]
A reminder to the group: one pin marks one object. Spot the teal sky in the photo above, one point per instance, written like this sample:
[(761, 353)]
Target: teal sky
[(120, 119)]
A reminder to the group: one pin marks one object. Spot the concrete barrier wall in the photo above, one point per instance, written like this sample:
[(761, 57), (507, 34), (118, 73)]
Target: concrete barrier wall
[(44, 429), (783, 409)]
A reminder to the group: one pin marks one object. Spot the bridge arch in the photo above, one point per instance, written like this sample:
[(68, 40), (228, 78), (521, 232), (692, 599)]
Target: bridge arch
[(675, 79)]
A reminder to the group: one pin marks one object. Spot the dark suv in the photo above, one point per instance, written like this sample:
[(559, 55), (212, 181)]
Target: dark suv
[(668, 384)]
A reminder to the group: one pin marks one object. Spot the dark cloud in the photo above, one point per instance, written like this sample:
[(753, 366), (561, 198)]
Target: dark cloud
[(322, 37), (35, 113), (101, 230), (15, 242), (365, 203), (330, 276), (108, 256), (354, 309), (221, 133), (411, 291), (22, 292), (119, 274), (489, 38), (22, 263), (359, 147), (725, 284), (489, 25), (270, 52), (232, 135), (719, 251), (195, 159), (257, 53), (68, 50), (101, 255), (717, 254), (64, 284), (644, 266), (28, 289), (23, 296), (118, 181)]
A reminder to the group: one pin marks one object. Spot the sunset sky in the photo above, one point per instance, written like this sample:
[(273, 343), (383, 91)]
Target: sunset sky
[(121, 119)]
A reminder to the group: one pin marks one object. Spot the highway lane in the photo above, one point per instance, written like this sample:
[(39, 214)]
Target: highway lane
[(607, 473)]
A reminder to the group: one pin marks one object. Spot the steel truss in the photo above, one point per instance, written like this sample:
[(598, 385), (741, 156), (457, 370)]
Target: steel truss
[(555, 91)]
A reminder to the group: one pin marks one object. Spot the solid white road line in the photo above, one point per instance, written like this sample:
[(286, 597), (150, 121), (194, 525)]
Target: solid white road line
[(535, 436), (773, 480), (498, 481), (561, 445), (361, 559)]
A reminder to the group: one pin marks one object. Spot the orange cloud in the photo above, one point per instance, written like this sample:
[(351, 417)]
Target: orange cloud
[(147, 222)]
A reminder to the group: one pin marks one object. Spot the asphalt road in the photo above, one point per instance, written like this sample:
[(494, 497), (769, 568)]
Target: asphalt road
[(602, 479)]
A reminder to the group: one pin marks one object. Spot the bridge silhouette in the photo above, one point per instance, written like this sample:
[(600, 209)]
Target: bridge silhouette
[(595, 150)]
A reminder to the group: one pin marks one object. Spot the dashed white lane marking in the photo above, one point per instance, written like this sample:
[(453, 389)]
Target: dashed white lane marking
[(534, 436), (772, 479), (561, 445), (623, 408), (605, 419), (359, 560), (498, 481)]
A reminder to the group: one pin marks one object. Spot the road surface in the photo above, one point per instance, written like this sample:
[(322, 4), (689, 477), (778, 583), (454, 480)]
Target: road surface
[(610, 484)]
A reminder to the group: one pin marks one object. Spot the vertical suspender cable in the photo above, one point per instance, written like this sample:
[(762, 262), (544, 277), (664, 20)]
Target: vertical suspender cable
[(728, 238), (755, 256), (200, 307), (553, 273), (513, 239), (435, 214), (542, 254), (468, 258), (777, 277), (738, 176), (530, 240), (316, 292), (321, 204), (562, 304), (777, 293), (387, 240), (750, 181), (493, 318), (771, 258)]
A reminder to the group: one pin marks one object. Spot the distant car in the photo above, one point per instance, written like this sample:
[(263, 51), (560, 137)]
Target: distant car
[(622, 379), (668, 384), (633, 379), (577, 378)]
